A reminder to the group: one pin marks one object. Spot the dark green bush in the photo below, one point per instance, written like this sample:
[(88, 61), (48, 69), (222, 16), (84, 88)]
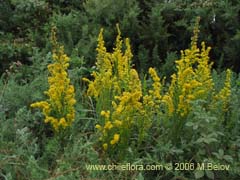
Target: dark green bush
[(156, 28)]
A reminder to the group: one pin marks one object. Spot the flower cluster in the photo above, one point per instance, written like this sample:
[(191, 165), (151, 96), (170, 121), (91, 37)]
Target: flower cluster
[(155, 93), (117, 90), (225, 92), (193, 78), (152, 100), (58, 109)]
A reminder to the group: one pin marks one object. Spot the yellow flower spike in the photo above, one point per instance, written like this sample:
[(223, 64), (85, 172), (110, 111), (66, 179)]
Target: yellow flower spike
[(167, 99), (61, 96), (193, 78), (101, 49), (155, 96), (225, 92)]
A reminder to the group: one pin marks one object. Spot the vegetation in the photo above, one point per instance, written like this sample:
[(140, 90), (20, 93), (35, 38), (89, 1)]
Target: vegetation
[(75, 93)]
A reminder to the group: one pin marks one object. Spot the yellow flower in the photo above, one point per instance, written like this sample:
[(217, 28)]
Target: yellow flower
[(118, 123), (105, 114), (102, 113), (187, 86), (63, 123), (105, 146), (86, 79), (115, 139), (49, 119), (108, 125), (98, 127)]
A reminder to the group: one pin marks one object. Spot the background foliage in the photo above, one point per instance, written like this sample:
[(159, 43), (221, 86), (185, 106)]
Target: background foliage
[(158, 30)]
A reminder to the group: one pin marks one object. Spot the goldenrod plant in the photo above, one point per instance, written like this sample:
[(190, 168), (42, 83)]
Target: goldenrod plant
[(58, 109), (126, 108), (117, 90), (193, 81)]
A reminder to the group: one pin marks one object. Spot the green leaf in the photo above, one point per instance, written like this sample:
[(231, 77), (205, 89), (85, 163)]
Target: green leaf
[(209, 174), (189, 124), (228, 158), (210, 140), (198, 174), (139, 177), (221, 152)]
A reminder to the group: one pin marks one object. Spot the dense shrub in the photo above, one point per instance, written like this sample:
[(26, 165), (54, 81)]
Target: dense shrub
[(156, 28), (145, 102)]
